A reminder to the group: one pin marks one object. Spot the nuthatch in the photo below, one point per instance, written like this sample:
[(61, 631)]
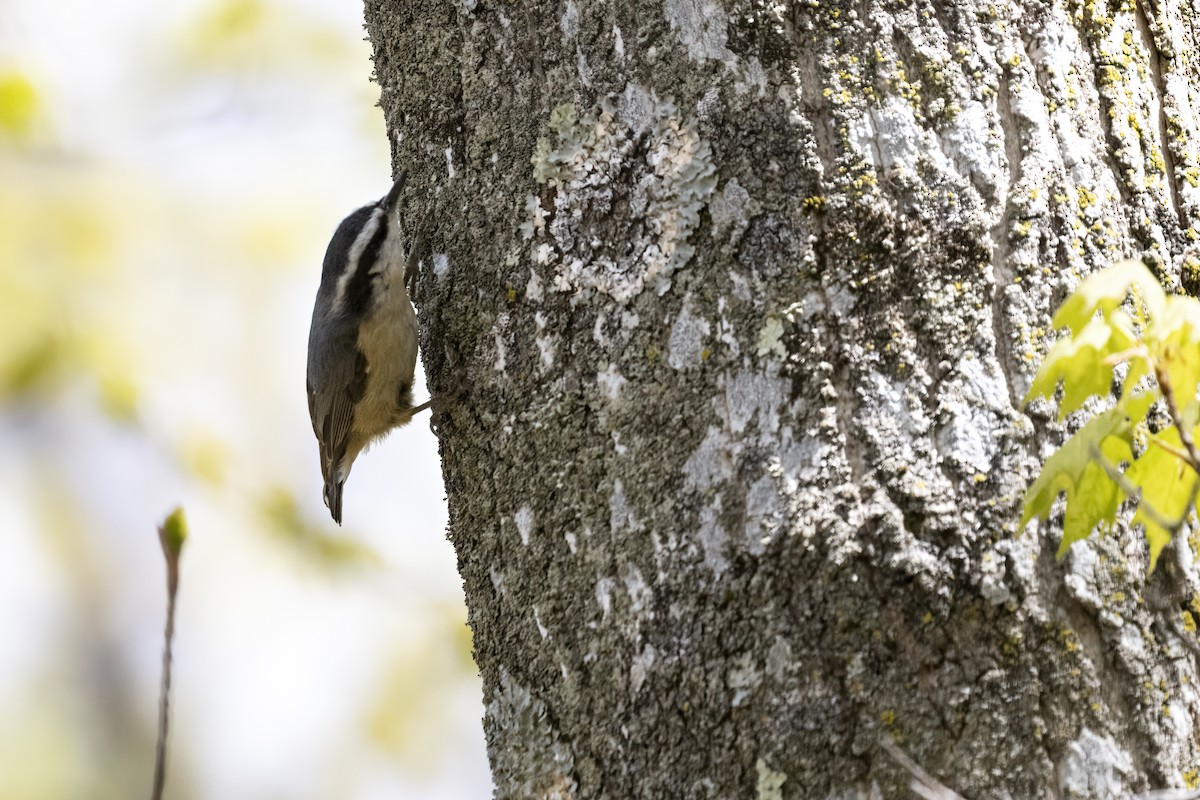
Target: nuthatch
[(362, 346)]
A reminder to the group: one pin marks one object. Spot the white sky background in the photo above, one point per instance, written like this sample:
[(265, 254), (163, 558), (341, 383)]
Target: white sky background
[(279, 664)]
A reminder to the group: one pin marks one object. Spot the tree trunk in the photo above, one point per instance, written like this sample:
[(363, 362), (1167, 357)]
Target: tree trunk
[(730, 309)]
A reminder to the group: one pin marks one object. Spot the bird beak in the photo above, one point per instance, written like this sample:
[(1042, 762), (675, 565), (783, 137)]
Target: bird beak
[(389, 199), (333, 500)]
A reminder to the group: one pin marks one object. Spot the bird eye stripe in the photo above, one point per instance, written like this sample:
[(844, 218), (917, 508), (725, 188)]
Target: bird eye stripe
[(358, 289), (350, 281)]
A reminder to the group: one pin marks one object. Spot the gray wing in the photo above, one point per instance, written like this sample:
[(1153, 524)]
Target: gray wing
[(337, 380)]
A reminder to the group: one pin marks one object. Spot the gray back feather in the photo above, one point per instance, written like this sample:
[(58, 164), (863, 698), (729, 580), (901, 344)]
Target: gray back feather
[(340, 370)]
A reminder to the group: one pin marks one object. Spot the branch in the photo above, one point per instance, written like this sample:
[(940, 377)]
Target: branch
[(923, 783), (1137, 351), (1134, 492), (1175, 451), (1185, 434), (931, 788), (171, 535)]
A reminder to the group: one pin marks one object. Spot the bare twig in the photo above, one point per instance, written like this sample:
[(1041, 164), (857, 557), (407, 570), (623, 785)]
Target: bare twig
[(1185, 434), (930, 788), (1137, 351), (1169, 794), (164, 698), (171, 534), (1175, 451), (923, 783)]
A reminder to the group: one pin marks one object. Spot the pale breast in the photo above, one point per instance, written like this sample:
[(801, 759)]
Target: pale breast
[(388, 338)]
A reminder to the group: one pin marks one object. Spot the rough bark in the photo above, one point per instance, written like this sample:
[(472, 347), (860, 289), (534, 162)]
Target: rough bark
[(731, 308)]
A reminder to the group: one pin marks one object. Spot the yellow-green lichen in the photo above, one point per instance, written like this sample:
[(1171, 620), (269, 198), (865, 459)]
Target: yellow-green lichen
[(1069, 641)]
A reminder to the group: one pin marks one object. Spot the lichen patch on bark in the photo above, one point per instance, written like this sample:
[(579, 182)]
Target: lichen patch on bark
[(738, 303), (583, 160)]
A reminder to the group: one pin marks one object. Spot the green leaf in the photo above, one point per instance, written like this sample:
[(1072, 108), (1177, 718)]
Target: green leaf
[(1167, 484), (1137, 406), (1079, 362), (1107, 289), (1092, 496), (1175, 348), (1138, 369), (1177, 312), (1161, 338), (1093, 500)]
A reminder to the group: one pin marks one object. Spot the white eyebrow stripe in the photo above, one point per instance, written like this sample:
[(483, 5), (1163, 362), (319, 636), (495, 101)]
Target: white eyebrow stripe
[(356, 250)]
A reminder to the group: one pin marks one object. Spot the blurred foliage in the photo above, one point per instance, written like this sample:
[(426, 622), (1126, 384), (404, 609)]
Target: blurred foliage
[(418, 688), (80, 727), (59, 250), (112, 271), (205, 457), (20, 107), (281, 515), (236, 35), (41, 756)]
